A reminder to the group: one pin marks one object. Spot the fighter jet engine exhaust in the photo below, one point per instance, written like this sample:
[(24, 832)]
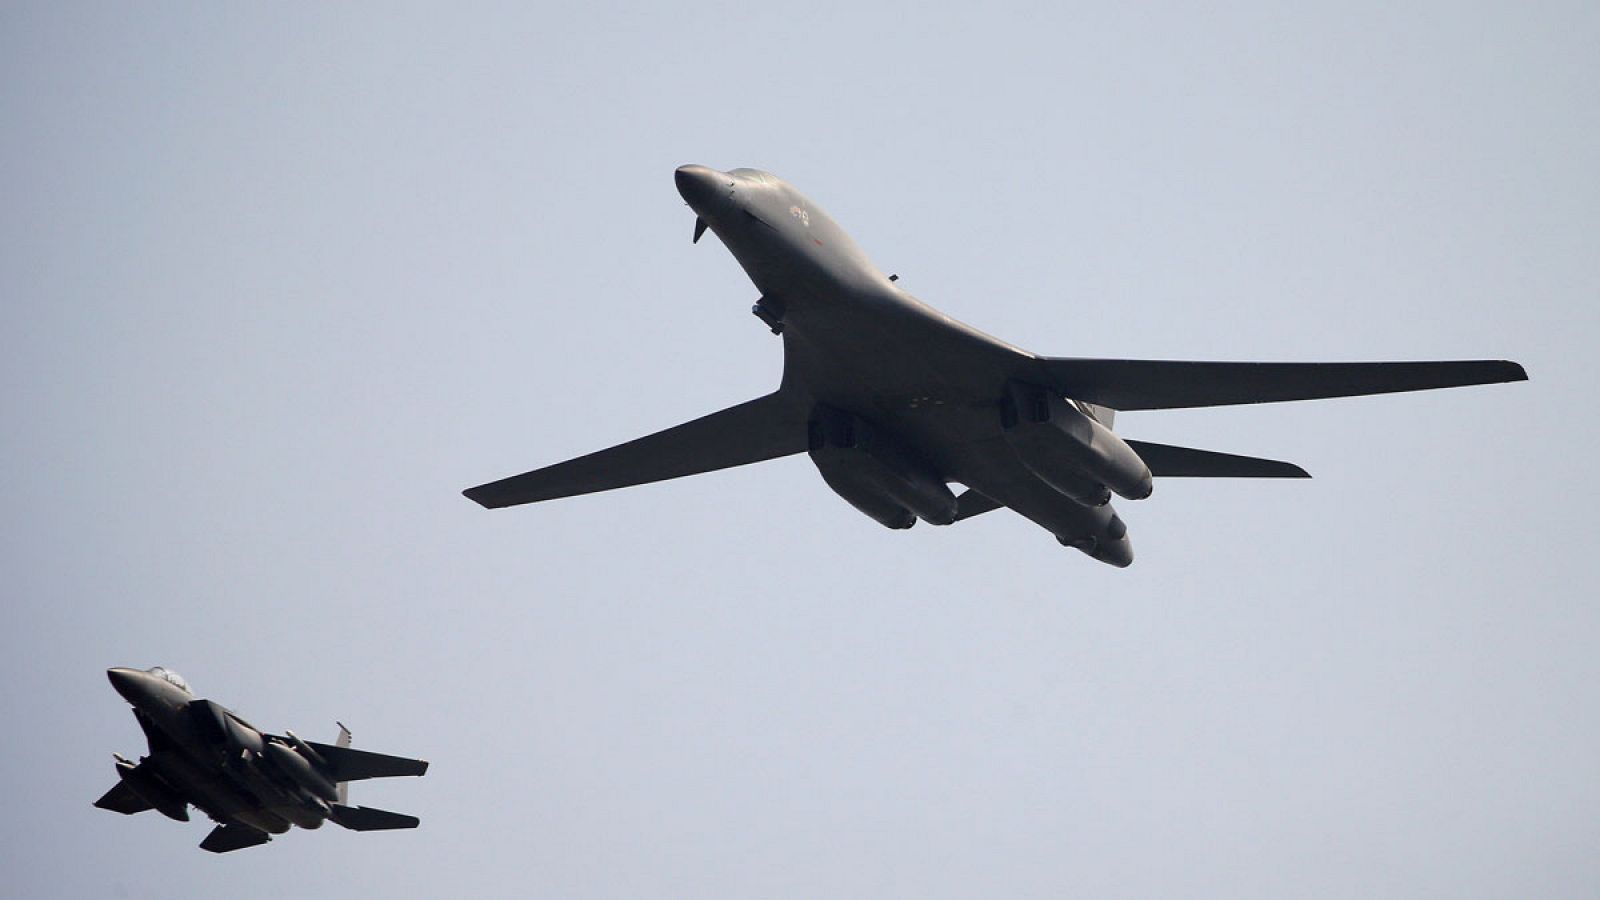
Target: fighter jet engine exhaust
[(1068, 449), (876, 475)]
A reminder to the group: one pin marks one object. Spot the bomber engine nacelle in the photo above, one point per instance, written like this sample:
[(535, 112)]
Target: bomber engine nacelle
[(1111, 545), (1069, 450), (875, 473)]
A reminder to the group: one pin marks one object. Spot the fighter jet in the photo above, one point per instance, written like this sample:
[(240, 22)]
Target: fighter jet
[(895, 401), (253, 784)]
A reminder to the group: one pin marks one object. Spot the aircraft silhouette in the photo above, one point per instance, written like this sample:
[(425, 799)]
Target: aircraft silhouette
[(253, 784), (895, 400)]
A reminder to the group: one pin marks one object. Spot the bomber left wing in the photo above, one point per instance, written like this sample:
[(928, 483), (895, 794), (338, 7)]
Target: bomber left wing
[(1174, 384), (761, 429)]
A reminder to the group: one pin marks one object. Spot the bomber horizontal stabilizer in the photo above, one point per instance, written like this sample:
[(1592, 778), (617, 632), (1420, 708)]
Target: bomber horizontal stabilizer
[(1167, 461), (971, 503), (1169, 384), (365, 818), (224, 838), (761, 429)]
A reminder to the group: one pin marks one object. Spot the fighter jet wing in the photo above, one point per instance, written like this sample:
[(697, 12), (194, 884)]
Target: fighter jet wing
[(760, 429), (354, 765), (122, 799), (1167, 384)]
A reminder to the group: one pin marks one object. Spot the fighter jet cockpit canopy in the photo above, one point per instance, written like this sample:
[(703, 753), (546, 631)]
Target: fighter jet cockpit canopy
[(754, 175), (171, 677)]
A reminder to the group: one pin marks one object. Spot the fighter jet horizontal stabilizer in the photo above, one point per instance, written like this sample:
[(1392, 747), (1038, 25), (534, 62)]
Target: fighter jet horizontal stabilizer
[(365, 818), (224, 838)]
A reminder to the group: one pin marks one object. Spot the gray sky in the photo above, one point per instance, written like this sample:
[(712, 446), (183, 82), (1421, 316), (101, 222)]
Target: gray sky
[(278, 283)]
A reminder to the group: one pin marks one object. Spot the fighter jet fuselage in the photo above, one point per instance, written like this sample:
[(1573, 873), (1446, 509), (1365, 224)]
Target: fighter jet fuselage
[(252, 783), (895, 401)]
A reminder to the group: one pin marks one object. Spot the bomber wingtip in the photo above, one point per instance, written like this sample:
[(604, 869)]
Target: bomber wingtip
[(1517, 372)]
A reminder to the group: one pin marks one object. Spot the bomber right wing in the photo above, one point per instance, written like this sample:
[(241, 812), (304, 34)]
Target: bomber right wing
[(1171, 384), (761, 429)]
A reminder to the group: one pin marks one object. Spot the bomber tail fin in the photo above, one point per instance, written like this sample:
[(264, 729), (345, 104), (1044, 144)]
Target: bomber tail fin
[(1105, 414), (1168, 461)]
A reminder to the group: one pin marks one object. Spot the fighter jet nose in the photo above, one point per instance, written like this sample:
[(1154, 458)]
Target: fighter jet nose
[(126, 681), (698, 184)]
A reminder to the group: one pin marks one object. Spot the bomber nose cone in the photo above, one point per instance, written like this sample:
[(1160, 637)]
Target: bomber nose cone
[(126, 681), (699, 184)]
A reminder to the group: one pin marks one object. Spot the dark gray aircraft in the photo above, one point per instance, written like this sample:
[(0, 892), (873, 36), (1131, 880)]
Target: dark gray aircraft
[(254, 784), (895, 400)]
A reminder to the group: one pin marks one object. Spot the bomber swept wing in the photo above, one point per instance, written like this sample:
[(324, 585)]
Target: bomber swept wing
[(760, 429), (1126, 384)]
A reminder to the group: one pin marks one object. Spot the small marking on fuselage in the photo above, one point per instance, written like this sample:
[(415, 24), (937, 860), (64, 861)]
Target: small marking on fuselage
[(799, 213)]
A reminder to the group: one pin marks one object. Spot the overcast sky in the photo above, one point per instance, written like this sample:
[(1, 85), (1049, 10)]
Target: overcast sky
[(277, 282)]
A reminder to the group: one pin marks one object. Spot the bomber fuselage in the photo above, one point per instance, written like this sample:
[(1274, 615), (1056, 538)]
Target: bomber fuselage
[(855, 341)]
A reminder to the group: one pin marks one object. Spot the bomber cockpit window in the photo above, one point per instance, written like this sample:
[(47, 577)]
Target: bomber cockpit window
[(172, 678)]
